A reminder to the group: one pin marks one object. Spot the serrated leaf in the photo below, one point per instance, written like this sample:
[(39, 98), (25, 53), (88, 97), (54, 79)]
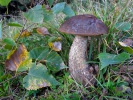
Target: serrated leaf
[(56, 46), (68, 11), (0, 29), (35, 14), (4, 2), (42, 31), (107, 59), (38, 77), (54, 62), (17, 58), (126, 47), (50, 2), (16, 24), (9, 41), (123, 26), (58, 7), (39, 53)]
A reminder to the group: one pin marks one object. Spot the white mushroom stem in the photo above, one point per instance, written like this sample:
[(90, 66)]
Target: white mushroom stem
[(78, 66)]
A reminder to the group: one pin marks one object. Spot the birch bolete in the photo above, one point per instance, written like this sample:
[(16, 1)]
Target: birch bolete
[(82, 26)]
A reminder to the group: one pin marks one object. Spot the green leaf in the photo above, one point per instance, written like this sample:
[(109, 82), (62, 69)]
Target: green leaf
[(0, 29), (123, 26), (68, 11), (38, 77), (4, 2), (54, 62), (39, 53), (35, 14), (106, 58), (58, 8), (50, 2), (48, 15), (16, 24), (9, 41)]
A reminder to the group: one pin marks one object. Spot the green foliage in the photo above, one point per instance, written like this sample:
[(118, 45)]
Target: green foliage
[(4, 2), (15, 24), (9, 41), (58, 8), (106, 58), (50, 2), (35, 14), (46, 67), (0, 29), (123, 26), (38, 77), (54, 62)]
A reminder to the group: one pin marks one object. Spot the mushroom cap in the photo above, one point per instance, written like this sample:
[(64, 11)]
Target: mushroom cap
[(84, 25)]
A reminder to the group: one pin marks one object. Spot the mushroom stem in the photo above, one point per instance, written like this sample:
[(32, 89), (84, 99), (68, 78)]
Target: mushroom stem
[(78, 67)]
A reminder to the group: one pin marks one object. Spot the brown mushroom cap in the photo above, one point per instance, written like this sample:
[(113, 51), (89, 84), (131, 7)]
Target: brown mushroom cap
[(84, 25)]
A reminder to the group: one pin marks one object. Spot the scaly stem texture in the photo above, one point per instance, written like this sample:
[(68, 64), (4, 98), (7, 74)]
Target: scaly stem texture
[(78, 67)]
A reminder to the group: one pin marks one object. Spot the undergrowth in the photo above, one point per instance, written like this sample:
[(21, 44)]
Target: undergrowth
[(114, 82)]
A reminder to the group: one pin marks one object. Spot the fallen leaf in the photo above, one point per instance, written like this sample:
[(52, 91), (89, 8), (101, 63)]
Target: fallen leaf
[(42, 31), (128, 42), (17, 57), (56, 46)]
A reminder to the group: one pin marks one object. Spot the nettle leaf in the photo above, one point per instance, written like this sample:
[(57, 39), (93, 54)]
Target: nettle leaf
[(123, 26), (126, 47), (9, 41), (50, 2), (18, 58), (107, 59), (58, 7), (38, 77), (0, 29), (35, 14), (16, 24), (4, 2), (54, 62), (68, 11), (39, 53)]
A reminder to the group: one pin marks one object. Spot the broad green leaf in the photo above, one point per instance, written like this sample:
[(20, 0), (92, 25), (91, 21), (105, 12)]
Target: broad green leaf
[(68, 11), (16, 24), (38, 77), (0, 29), (4, 2), (54, 62), (48, 15), (58, 8), (126, 48), (9, 41), (107, 59), (50, 2), (123, 26), (39, 53), (35, 14)]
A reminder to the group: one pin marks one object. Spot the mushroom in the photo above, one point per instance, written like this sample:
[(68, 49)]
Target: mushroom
[(82, 26)]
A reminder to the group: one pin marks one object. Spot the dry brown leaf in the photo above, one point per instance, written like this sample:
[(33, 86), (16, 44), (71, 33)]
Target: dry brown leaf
[(16, 58), (42, 31), (128, 42)]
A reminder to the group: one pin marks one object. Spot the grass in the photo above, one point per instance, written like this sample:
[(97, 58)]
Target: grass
[(112, 84)]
